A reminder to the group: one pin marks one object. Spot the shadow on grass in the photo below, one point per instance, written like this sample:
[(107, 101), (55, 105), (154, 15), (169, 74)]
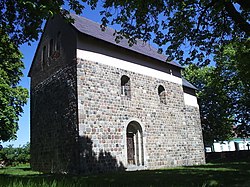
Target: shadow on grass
[(219, 174)]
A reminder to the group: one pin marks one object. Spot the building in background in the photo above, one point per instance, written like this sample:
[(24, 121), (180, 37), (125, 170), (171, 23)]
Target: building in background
[(236, 144)]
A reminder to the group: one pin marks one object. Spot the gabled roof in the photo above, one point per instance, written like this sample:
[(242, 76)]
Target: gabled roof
[(93, 29)]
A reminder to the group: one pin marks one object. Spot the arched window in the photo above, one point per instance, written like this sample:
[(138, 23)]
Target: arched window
[(43, 57), (58, 41), (162, 94), (125, 86), (51, 47)]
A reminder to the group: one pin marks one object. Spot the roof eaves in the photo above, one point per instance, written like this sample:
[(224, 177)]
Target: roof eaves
[(188, 84)]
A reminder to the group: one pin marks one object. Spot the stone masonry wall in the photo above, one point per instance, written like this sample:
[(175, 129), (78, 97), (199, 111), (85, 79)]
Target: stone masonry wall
[(193, 133), (54, 130), (171, 131)]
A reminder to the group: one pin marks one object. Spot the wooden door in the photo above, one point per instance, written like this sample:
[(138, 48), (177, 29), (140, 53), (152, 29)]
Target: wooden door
[(130, 148)]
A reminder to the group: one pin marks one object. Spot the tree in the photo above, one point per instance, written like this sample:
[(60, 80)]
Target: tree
[(200, 26), (217, 117), (223, 92), (10, 155), (234, 62), (21, 22), (12, 96), (205, 24)]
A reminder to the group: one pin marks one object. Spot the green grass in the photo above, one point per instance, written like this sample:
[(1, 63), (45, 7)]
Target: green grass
[(22, 170), (217, 174)]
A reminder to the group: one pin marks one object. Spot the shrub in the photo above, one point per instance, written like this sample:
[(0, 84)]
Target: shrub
[(12, 156)]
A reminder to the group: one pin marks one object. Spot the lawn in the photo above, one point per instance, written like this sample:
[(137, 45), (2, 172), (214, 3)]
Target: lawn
[(217, 174)]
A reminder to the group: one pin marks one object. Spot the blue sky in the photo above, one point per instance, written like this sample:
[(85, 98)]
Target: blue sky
[(23, 134)]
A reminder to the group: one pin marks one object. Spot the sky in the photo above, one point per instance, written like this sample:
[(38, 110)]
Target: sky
[(28, 51)]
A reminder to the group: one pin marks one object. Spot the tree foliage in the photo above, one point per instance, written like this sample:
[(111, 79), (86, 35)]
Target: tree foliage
[(203, 25), (214, 101), (13, 156), (223, 93), (22, 20), (12, 96), (199, 26), (234, 62)]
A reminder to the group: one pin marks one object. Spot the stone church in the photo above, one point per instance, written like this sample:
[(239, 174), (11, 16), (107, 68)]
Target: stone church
[(98, 105)]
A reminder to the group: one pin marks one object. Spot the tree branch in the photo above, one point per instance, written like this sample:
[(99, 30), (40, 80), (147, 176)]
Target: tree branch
[(200, 19), (236, 17)]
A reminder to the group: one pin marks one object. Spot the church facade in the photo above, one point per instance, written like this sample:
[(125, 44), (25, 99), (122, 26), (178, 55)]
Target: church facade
[(98, 105)]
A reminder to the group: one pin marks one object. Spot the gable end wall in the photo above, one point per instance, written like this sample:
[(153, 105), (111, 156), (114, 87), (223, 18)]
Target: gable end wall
[(54, 129)]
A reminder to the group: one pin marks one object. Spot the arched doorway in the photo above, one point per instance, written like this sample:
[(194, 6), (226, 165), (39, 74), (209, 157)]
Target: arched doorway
[(135, 152)]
